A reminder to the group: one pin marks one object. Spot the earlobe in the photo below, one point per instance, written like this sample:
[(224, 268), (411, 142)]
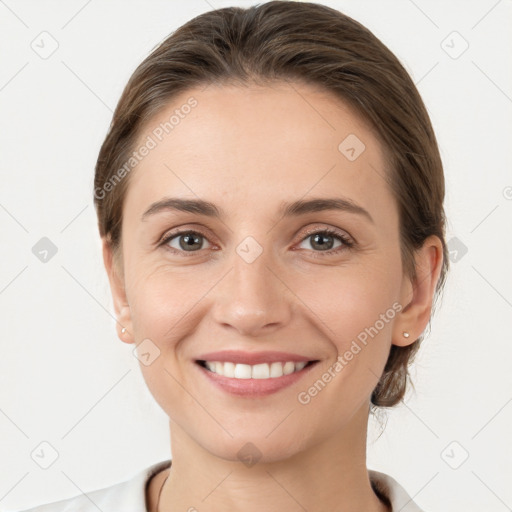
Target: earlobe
[(418, 295), (124, 325), (117, 288)]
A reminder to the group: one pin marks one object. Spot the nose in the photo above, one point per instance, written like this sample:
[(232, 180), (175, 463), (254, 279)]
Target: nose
[(252, 298)]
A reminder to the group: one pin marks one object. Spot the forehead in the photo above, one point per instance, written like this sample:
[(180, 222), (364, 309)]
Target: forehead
[(254, 145)]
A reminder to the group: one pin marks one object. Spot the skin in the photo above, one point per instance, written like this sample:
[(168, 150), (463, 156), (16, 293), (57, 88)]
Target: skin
[(247, 150)]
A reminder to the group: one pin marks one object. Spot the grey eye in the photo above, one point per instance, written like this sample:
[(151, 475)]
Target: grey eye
[(322, 241), (188, 241)]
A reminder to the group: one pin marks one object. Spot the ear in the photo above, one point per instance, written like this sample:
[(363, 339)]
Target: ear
[(117, 288), (416, 296)]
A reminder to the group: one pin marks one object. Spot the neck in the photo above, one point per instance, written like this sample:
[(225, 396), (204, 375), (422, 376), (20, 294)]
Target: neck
[(330, 475)]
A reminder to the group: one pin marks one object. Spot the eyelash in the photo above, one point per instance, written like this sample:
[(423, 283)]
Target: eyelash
[(347, 243)]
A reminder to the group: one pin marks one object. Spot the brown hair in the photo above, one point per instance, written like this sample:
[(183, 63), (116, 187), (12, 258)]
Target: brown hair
[(301, 42)]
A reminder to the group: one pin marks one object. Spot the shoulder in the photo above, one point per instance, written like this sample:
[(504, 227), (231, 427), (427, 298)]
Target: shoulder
[(387, 486), (128, 496)]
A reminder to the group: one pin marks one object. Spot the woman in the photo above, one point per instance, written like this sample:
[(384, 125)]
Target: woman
[(270, 201)]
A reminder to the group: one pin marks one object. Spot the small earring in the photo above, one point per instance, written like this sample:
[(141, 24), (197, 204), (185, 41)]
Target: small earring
[(406, 334), (123, 330)]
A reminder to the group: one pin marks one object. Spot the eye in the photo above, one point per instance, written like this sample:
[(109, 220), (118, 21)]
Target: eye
[(186, 241), (323, 239), (191, 241)]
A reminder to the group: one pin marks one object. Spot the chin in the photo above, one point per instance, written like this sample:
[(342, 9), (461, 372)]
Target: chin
[(255, 448)]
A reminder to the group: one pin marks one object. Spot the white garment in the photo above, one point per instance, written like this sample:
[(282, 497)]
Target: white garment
[(130, 495)]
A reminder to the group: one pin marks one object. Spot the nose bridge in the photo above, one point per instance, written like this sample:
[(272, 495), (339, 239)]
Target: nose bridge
[(251, 298)]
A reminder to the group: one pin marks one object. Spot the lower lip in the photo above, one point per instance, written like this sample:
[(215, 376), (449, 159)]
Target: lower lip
[(254, 387)]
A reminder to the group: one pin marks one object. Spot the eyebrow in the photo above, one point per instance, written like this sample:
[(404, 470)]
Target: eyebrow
[(300, 207)]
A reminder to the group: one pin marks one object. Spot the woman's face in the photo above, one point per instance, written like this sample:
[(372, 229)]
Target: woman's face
[(253, 279)]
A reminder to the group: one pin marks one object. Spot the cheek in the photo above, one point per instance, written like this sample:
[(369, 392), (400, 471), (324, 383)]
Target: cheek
[(351, 301), (161, 305), (169, 308), (355, 312), (163, 312)]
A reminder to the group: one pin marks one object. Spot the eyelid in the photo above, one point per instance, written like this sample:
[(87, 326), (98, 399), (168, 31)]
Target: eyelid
[(348, 243), (347, 240), (328, 229), (201, 230)]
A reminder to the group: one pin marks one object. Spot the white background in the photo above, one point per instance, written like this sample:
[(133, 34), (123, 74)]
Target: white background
[(68, 380)]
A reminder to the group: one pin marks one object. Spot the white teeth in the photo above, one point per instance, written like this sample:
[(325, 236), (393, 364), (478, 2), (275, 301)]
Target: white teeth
[(228, 369), (242, 371), (289, 367), (299, 366), (276, 369), (257, 371), (261, 371)]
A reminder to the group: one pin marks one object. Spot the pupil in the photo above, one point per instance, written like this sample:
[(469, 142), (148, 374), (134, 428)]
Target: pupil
[(319, 239), (322, 243), (189, 241)]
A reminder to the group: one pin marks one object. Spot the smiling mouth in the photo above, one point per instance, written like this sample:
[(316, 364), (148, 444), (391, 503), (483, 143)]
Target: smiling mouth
[(272, 370)]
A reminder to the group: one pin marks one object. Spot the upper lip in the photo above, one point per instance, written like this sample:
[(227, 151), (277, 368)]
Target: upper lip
[(252, 358)]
